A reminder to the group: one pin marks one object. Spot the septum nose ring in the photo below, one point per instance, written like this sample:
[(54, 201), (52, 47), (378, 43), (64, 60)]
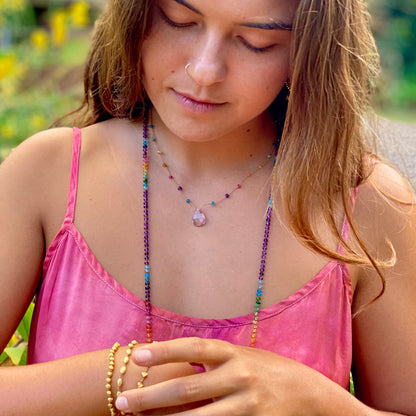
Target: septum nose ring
[(187, 66)]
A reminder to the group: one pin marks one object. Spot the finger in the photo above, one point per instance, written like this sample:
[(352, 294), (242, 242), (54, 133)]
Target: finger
[(230, 406), (196, 350), (176, 392)]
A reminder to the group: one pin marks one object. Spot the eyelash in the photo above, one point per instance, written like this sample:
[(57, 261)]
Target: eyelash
[(172, 23), (175, 25), (253, 48)]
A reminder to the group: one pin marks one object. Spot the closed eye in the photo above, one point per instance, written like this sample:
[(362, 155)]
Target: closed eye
[(255, 49), (172, 23)]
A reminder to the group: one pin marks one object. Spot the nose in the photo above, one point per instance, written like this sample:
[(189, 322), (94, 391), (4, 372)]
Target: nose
[(208, 65)]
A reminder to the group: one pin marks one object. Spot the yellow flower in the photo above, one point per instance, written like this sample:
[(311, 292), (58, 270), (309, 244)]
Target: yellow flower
[(38, 122), (79, 13), (58, 27), (13, 340), (39, 39), (7, 65), (18, 5), (7, 131)]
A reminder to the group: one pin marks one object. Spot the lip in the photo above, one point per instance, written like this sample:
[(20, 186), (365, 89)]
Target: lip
[(197, 105)]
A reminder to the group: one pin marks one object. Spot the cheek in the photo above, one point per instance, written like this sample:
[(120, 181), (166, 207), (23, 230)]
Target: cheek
[(160, 60), (152, 70), (266, 85)]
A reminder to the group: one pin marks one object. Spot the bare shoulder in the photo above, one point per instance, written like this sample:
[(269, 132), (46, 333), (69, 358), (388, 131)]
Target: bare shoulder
[(33, 164), (385, 212), (385, 204), (386, 181), (39, 168), (45, 146)]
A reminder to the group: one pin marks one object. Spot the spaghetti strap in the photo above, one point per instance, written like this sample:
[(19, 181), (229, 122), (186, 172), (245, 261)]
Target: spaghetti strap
[(73, 184), (345, 232)]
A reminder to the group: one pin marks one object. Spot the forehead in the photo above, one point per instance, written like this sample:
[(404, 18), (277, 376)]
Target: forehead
[(241, 10)]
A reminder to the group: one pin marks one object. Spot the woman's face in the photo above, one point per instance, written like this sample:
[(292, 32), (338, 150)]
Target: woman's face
[(236, 54)]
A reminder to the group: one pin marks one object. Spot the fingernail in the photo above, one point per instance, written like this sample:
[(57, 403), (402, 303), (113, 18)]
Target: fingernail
[(121, 403), (142, 355)]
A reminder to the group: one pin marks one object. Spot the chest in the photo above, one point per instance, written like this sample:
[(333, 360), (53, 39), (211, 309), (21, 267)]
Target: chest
[(205, 272)]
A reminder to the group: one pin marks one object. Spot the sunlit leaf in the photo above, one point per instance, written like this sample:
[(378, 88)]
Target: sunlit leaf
[(3, 357), (24, 327), (23, 360), (15, 353)]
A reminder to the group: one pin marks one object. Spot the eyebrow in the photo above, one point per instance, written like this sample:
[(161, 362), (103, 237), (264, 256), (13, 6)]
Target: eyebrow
[(272, 25), (190, 7)]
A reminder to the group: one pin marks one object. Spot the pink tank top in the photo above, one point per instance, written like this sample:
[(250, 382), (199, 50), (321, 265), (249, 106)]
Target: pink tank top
[(82, 308)]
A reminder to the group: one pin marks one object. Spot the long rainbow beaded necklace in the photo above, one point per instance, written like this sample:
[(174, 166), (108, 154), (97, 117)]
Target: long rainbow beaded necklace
[(148, 306)]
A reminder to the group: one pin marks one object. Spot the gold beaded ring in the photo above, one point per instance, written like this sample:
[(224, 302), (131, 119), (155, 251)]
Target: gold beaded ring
[(145, 373), (110, 398)]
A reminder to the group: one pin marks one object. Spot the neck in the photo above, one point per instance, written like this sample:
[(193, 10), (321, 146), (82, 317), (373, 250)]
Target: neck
[(238, 151)]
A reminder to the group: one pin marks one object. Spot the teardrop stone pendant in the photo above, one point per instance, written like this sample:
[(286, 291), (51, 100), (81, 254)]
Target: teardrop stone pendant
[(199, 219)]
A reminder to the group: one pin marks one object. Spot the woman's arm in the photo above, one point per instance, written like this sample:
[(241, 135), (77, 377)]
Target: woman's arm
[(72, 386), (385, 332)]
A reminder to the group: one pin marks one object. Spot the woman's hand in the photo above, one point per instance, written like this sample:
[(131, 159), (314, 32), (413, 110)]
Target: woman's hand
[(238, 380)]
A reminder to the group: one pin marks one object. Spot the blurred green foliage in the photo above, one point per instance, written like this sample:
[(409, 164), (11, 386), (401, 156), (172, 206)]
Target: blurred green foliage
[(394, 26), (42, 51)]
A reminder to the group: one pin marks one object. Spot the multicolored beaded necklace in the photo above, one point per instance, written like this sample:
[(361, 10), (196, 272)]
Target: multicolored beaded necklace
[(259, 292), (199, 218)]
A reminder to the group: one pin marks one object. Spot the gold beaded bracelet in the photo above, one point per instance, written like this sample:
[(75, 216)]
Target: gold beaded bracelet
[(123, 370), (110, 398)]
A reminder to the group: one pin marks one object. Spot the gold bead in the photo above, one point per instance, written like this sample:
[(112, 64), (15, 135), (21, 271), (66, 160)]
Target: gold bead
[(123, 370)]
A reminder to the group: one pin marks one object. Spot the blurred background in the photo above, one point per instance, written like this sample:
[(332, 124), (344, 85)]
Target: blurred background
[(43, 44)]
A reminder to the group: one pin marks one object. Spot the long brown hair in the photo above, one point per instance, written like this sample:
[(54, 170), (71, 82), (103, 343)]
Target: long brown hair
[(322, 156), (334, 62)]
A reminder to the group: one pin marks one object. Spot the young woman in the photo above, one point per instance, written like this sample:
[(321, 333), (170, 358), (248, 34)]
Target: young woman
[(165, 218)]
